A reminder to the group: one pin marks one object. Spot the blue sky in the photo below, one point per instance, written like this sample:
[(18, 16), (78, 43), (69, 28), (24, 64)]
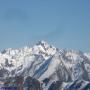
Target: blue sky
[(63, 23)]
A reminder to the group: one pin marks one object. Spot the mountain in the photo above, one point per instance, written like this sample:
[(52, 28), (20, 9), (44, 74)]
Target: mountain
[(44, 67)]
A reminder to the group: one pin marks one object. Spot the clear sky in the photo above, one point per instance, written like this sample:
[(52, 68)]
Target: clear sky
[(63, 23)]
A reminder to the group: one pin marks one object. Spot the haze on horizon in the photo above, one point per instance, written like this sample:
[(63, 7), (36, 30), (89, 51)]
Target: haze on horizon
[(62, 23)]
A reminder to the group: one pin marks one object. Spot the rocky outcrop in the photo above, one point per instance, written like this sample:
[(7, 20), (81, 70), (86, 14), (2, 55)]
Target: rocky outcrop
[(32, 84)]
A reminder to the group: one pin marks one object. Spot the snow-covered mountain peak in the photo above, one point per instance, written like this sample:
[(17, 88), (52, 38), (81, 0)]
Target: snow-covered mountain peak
[(26, 54), (43, 47), (45, 63), (42, 42)]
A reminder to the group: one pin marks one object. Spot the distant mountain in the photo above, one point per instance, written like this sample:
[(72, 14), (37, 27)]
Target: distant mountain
[(46, 67)]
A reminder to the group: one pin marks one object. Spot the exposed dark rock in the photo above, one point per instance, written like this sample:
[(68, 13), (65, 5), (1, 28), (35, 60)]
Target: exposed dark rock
[(55, 85), (32, 84), (46, 81)]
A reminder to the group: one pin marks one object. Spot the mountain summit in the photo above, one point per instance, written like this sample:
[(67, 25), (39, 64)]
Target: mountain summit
[(55, 69)]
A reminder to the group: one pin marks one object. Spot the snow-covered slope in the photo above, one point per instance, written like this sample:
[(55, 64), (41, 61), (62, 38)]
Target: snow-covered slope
[(47, 64)]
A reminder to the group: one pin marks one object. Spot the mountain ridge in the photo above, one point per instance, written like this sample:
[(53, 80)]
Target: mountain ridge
[(46, 64)]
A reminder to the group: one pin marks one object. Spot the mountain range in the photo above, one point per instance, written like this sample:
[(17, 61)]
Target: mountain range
[(44, 67)]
